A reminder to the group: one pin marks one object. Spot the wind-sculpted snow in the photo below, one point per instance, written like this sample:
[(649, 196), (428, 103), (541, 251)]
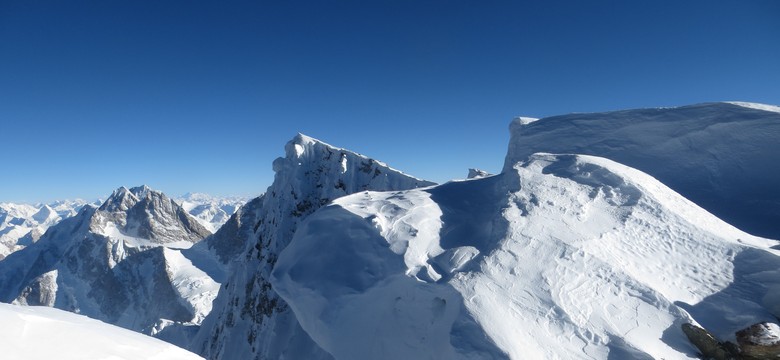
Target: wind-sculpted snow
[(559, 257), (722, 156), (39, 333), (120, 263), (250, 320)]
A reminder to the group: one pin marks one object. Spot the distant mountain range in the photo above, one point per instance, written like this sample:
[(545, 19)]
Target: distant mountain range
[(628, 234)]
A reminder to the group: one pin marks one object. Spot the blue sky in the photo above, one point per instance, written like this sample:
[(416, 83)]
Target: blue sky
[(201, 96)]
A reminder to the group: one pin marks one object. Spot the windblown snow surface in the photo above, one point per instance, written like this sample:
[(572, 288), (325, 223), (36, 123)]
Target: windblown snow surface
[(722, 156), (42, 333), (558, 257)]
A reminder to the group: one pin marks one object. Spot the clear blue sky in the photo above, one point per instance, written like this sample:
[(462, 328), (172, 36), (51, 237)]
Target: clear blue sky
[(201, 96)]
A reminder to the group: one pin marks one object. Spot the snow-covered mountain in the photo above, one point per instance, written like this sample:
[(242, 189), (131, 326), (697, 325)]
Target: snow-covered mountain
[(23, 224), (41, 333), (120, 263), (210, 211), (249, 319), (558, 257), (722, 156)]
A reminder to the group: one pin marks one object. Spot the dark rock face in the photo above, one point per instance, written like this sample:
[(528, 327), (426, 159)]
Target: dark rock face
[(709, 346), (759, 341)]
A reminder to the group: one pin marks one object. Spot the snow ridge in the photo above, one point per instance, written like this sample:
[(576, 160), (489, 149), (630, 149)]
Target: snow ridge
[(250, 320), (559, 257), (56, 334)]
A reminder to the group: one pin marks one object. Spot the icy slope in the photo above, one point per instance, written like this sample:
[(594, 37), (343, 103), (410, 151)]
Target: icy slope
[(120, 263), (210, 211), (559, 257), (250, 321), (722, 156), (40, 333)]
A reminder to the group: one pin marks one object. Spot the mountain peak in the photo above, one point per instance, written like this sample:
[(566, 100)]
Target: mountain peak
[(120, 200), (141, 191), (141, 212)]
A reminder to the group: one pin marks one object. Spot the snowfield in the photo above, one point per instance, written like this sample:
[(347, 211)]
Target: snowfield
[(42, 333), (559, 257)]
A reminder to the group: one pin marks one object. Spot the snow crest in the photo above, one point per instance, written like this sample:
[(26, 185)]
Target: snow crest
[(722, 156), (250, 320), (559, 257), (56, 334)]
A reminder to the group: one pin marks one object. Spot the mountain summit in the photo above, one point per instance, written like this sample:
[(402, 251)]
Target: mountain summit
[(250, 320), (120, 263), (558, 257)]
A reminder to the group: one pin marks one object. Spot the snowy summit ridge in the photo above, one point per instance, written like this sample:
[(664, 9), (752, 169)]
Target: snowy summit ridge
[(558, 257), (563, 257), (250, 320)]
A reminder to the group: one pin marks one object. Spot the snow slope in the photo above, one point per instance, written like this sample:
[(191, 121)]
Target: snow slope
[(41, 333), (120, 263), (559, 257), (249, 320), (722, 156)]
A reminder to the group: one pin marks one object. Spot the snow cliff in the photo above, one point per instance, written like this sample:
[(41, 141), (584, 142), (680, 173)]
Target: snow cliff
[(722, 156)]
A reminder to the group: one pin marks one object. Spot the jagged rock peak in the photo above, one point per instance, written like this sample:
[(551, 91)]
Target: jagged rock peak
[(148, 214), (142, 191), (120, 200), (309, 176)]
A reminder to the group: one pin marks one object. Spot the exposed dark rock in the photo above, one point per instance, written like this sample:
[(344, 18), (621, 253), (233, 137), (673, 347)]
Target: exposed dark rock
[(760, 341), (707, 344)]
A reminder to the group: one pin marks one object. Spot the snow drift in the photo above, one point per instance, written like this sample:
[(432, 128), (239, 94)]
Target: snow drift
[(722, 156), (559, 257)]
